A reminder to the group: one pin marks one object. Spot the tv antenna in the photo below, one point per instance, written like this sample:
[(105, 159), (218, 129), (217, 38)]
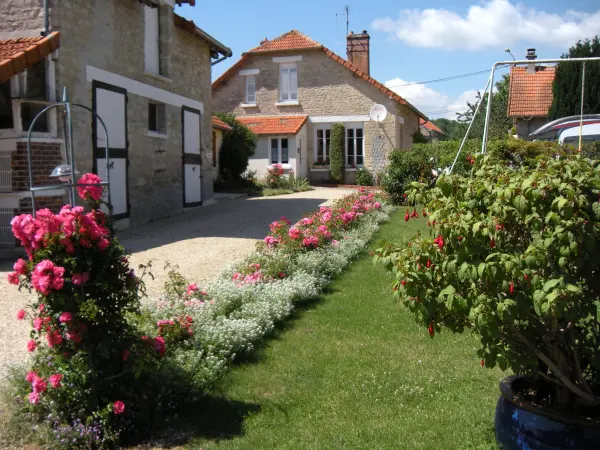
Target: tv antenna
[(347, 13)]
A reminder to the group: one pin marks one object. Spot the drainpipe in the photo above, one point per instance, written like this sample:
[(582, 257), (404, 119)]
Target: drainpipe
[(217, 61), (46, 17)]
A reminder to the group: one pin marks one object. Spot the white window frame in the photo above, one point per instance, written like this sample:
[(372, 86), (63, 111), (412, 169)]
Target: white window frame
[(285, 71), (279, 151), (250, 80), (354, 126), (321, 127)]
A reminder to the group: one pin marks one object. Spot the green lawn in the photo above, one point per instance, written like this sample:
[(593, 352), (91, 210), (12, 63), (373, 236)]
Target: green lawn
[(353, 370)]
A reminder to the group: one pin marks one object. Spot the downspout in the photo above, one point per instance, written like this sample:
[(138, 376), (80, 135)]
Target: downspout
[(215, 62), (46, 17)]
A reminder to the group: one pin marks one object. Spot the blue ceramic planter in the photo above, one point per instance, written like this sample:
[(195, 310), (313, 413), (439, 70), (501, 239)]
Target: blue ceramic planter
[(527, 427)]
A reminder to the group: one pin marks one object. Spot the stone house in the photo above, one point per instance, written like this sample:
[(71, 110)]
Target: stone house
[(430, 131), (530, 97), (143, 68), (292, 89)]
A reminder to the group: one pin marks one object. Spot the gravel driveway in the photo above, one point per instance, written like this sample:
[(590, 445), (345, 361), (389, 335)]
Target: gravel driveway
[(200, 241)]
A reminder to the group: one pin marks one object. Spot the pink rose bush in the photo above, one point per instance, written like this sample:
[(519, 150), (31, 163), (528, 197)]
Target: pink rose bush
[(274, 174), (80, 328)]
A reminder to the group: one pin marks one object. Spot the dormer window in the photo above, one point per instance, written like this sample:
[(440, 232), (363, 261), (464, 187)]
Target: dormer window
[(288, 84)]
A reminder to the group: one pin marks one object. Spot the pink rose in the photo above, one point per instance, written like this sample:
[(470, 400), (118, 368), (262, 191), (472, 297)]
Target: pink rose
[(159, 345), (31, 375), (118, 407), (13, 278), (46, 277), (90, 192), (21, 314), (65, 317), (55, 380), (31, 345), (80, 278), (20, 266), (38, 322), (103, 244), (39, 385), (54, 338), (191, 289), (34, 398), (294, 233)]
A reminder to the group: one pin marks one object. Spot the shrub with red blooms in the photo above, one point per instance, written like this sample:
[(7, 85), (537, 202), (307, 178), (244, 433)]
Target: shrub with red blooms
[(80, 328), (274, 174), (515, 256)]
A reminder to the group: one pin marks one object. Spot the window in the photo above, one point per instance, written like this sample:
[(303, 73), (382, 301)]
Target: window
[(322, 147), (288, 89), (6, 111), (354, 146), (279, 151), (151, 40), (33, 87), (250, 90), (157, 121)]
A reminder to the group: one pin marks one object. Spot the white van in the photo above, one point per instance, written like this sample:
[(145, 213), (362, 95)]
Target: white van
[(589, 133)]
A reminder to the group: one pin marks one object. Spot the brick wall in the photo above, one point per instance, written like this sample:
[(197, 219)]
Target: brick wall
[(53, 203), (325, 88), (44, 158)]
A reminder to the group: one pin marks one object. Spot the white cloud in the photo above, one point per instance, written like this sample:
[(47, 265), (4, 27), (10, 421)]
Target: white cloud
[(429, 101), (495, 23)]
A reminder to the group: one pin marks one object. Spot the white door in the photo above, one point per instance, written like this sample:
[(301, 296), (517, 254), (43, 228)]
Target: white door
[(110, 103), (192, 159), (301, 165)]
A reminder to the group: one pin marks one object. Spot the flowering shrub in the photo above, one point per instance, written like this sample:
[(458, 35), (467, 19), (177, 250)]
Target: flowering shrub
[(89, 362), (274, 175), (513, 254)]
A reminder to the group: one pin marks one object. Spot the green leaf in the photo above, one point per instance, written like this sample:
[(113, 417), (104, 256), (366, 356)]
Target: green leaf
[(520, 203), (447, 290), (573, 288), (481, 270), (551, 284)]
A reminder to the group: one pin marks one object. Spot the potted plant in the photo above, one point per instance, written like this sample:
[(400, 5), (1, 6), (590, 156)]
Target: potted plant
[(514, 255)]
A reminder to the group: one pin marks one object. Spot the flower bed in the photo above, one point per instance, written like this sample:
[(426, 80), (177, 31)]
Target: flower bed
[(231, 313)]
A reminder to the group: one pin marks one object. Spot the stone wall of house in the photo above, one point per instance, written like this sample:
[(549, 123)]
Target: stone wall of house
[(524, 127), (109, 35), (325, 88), (44, 158), (24, 18)]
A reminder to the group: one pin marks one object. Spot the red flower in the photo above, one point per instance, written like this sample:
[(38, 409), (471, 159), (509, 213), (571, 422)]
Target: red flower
[(118, 407), (414, 214), (439, 241), (511, 288), (125, 355), (430, 329), (31, 345), (54, 338), (13, 278), (499, 226), (428, 263), (428, 223), (407, 216), (403, 282), (482, 363), (21, 314), (90, 192), (424, 213), (55, 380), (493, 243), (460, 238), (159, 345)]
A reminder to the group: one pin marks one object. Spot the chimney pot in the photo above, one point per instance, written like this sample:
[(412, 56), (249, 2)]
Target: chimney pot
[(358, 50), (365, 32)]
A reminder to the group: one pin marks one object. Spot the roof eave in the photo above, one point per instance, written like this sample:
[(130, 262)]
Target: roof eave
[(190, 27)]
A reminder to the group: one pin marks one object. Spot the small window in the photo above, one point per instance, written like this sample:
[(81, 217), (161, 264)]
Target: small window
[(6, 111), (250, 90), (34, 88), (279, 151), (151, 40), (323, 137), (157, 121), (288, 89), (354, 146)]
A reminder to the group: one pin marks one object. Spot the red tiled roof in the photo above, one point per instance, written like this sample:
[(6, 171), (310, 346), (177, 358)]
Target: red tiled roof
[(430, 126), (274, 124), (294, 40), (219, 124), (18, 54), (530, 94)]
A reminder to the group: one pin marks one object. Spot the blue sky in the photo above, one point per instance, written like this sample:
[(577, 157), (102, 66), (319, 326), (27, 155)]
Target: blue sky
[(434, 40)]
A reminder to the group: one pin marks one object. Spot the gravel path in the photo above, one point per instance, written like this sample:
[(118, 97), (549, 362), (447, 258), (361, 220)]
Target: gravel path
[(200, 242)]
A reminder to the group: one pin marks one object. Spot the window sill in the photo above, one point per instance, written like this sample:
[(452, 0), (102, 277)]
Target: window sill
[(319, 169), (156, 134), (283, 166), (288, 103), (249, 105), (158, 76)]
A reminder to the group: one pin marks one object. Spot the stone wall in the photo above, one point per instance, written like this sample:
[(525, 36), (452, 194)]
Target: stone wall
[(524, 127), (23, 18), (44, 157), (109, 35), (325, 88)]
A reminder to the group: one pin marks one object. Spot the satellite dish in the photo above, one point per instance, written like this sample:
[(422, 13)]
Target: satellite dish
[(378, 113)]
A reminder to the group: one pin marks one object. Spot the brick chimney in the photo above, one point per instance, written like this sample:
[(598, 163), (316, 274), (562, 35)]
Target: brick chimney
[(357, 49)]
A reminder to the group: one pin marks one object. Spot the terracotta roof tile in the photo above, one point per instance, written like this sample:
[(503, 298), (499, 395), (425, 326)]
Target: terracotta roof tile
[(430, 126), (274, 124), (294, 40), (530, 94), (219, 124), (18, 54)]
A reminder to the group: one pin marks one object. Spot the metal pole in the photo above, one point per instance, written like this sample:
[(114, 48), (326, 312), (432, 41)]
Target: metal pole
[(106, 151), (488, 111), (69, 139), (581, 110), (43, 111), (470, 125)]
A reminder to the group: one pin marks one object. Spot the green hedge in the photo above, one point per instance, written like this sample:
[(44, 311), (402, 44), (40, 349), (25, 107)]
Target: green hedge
[(336, 152)]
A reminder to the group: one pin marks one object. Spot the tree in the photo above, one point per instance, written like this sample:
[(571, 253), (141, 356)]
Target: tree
[(419, 138), (566, 88), (336, 153), (500, 124), (453, 129), (238, 146)]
